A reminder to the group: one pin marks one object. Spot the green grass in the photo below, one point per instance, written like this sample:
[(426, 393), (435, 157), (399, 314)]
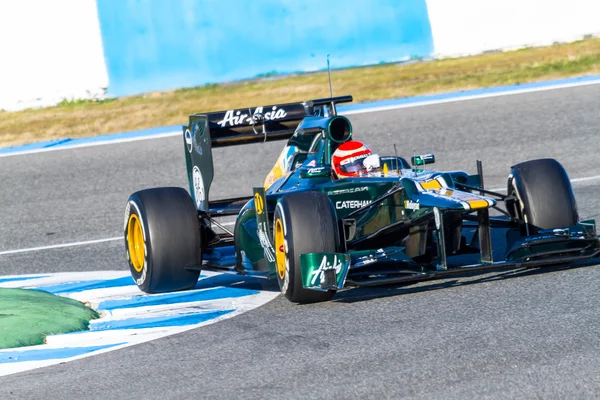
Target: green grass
[(28, 316), (82, 118)]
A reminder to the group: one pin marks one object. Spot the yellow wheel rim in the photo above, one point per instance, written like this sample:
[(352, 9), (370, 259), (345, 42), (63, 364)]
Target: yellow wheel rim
[(135, 241), (279, 249)]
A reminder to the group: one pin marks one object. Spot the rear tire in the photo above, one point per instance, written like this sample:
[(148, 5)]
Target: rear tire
[(544, 195), (306, 223), (162, 239)]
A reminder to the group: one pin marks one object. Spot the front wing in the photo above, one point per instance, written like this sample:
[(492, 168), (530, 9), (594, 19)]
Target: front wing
[(332, 271)]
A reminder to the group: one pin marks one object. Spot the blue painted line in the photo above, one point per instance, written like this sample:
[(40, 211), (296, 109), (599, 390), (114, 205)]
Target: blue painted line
[(48, 354), (157, 322), (74, 287), (65, 143), (32, 146), (128, 135), (21, 278), (148, 133), (59, 142), (174, 298)]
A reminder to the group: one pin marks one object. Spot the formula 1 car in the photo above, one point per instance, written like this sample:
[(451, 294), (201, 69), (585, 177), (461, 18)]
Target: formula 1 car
[(316, 234)]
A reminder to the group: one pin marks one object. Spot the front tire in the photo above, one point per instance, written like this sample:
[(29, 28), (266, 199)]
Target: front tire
[(304, 222), (544, 197), (162, 240)]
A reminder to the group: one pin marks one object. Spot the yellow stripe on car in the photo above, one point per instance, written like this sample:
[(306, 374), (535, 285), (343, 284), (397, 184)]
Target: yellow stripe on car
[(431, 184), (277, 171), (479, 203)]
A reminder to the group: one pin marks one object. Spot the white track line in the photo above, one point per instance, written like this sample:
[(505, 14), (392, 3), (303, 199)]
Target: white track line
[(57, 246), (585, 178), (73, 244), (471, 97), (574, 180), (92, 144)]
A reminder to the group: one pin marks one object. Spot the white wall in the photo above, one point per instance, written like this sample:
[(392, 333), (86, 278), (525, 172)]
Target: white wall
[(52, 49), (49, 50), (464, 27)]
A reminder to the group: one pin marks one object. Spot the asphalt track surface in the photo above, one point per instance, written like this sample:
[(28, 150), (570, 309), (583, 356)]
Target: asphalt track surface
[(521, 335)]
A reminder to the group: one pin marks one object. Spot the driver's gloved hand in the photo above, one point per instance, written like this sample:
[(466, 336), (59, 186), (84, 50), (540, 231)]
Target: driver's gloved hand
[(372, 163)]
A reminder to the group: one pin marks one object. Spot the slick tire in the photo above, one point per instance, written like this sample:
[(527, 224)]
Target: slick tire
[(304, 222), (162, 240), (544, 198)]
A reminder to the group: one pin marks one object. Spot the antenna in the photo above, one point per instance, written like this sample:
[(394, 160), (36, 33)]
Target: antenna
[(397, 163), (333, 110)]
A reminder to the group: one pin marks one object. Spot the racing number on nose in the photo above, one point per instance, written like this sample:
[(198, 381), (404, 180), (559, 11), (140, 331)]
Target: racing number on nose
[(258, 203)]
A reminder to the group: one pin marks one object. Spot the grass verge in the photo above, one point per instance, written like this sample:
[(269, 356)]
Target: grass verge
[(28, 316), (90, 118)]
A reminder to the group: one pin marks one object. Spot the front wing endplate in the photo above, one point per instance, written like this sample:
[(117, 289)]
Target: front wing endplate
[(324, 271)]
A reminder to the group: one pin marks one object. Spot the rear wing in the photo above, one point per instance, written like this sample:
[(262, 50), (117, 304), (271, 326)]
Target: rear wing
[(241, 126)]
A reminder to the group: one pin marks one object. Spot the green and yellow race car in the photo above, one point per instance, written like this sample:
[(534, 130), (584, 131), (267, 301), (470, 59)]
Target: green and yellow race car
[(332, 214)]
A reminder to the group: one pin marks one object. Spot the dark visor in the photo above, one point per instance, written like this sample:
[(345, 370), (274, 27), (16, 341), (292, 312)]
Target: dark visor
[(354, 166)]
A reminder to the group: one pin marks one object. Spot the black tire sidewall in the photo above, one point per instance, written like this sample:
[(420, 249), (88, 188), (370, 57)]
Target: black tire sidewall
[(170, 224), (544, 194), (296, 210)]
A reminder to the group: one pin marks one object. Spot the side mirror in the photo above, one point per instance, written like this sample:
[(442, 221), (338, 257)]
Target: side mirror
[(422, 159)]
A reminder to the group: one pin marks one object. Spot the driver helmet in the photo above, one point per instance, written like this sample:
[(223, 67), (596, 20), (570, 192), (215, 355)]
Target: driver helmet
[(353, 158)]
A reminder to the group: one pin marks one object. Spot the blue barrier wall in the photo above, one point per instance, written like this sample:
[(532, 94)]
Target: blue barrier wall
[(152, 45)]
